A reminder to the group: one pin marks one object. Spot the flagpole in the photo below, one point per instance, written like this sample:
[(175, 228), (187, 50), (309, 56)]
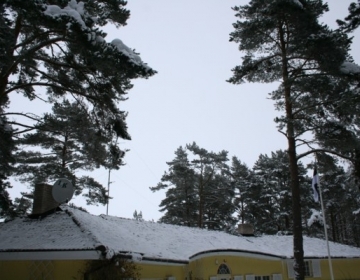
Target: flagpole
[(325, 230)]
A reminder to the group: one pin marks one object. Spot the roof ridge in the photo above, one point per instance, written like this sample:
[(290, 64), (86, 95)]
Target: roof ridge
[(105, 251)]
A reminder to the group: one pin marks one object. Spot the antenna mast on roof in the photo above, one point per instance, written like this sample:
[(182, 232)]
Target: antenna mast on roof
[(107, 205), (317, 186), (109, 182)]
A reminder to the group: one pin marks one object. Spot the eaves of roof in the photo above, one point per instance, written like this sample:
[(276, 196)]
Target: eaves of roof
[(245, 253)]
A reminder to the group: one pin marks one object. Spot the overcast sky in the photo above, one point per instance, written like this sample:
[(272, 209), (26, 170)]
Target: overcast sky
[(187, 42)]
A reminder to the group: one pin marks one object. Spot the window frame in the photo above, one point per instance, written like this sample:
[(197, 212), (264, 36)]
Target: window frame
[(262, 277)]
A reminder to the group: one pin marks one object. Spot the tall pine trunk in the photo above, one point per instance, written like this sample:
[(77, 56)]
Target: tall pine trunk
[(333, 225), (9, 67), (295, 186), (201, 201), (296, 208)]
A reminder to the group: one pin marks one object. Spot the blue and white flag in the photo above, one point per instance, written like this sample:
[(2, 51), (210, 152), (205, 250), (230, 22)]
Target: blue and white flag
[(315, 185)]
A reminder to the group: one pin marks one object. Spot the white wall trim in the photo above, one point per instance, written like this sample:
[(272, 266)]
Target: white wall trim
[(235, 254), (156, 262)]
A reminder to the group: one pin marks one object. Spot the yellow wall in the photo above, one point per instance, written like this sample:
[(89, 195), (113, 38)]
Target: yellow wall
[(162, 271), (205, 267), (343, 269), (200, 268), (11, 270), (61, 270)]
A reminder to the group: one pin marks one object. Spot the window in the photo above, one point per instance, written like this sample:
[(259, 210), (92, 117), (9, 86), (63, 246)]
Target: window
[(41, 270), (312, 268), (262, 277), (223, 269), (308, 270), (277, 277), (223, 272)]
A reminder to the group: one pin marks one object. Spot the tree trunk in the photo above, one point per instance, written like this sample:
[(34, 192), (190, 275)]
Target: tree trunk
[(295, 186), (7, 69), (242, 213), (201, 202), (333, 227), (287, 223), (296, 207), (63, 154)]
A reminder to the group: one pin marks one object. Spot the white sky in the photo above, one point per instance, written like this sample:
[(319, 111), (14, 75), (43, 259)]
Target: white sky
[(187, 42)]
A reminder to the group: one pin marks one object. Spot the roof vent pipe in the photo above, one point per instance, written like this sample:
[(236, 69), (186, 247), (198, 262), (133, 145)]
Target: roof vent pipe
[(246, 229)]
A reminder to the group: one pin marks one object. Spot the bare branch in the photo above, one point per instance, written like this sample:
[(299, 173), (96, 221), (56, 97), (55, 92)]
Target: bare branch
[(323, 151)]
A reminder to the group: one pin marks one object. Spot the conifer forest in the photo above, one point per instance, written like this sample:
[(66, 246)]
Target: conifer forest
[(58, 54)]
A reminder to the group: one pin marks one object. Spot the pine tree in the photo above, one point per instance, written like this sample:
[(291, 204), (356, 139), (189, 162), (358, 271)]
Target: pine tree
[(60, 46), (199, 192), (352, 21), (70, 141), (283, 41), (341, 200), (212, 185), (219, 203), (55, 49), (6, 165), (180, 202), (242, 180), (272, 209), (352, 212), (138, 216)]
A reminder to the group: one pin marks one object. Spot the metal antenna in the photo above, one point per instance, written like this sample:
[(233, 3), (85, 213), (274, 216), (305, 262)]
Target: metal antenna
[(107, 205), (325, 226), (109, 182)]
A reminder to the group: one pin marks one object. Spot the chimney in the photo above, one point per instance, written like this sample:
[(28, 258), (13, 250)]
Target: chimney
[(43, 200), (246, 229)]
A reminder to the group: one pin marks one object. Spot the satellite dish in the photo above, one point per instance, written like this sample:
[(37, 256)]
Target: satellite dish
[(62, 190)]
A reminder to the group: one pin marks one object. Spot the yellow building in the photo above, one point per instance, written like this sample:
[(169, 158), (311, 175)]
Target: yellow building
[(58, 245)]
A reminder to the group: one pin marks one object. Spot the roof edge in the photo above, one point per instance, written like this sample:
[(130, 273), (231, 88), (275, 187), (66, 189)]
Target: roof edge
[(167, 261), (98, 244), (235, 251)]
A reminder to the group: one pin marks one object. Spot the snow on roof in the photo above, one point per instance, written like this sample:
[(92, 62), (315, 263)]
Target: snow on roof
[(77, 230), (54, 232)]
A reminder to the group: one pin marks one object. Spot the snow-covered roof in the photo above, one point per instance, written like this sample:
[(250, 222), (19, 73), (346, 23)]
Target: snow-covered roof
[(73, 229), (54, 232)]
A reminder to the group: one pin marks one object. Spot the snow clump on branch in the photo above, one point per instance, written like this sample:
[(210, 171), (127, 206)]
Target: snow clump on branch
[(76, 11), (121, 47), (350, 68), (297, 2), (316, 216), (73, 10)]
